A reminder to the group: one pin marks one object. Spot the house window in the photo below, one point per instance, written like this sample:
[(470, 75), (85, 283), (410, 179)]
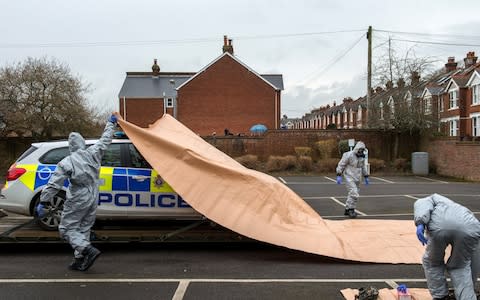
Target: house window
[(169, 102), (453, 126), (453, 99), (391, 103), (441, 106), (475, 94), (381, 110), (476, 126), (427, 105)]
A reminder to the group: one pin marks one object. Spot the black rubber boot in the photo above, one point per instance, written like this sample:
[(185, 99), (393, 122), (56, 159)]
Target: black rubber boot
[(352, 213), (76, 264), (90, 254), (346, 212)]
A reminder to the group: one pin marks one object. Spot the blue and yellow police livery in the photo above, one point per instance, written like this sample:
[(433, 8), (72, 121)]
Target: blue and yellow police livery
[(128, 186)]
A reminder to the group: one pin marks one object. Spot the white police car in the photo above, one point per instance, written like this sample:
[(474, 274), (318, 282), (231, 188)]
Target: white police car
[(129, 187)]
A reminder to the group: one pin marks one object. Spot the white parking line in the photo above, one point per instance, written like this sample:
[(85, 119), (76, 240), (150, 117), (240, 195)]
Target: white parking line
[(392, 284), (282, 180), (331, 179), (434, 180), (387, 181), (412, 197), (181, 289), (190, 280), (342, 204), (385, 196)]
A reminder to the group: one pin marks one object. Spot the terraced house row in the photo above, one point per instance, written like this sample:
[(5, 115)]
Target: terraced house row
[(448, 101)]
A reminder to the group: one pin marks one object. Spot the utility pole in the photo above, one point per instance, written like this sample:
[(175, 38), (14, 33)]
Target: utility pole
[(369, 72)]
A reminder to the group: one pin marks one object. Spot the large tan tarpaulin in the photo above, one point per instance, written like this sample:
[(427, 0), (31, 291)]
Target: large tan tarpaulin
[(261, 207), (389, 294)]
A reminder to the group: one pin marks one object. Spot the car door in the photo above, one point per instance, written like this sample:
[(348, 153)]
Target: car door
[(113, 186), (151, 195)]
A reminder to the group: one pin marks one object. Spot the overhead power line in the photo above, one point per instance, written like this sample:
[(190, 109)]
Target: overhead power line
[(333, 62), (437, 43), (429, 34), (167, 42)]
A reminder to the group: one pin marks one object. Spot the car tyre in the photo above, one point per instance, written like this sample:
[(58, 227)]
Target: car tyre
[(51, 222)]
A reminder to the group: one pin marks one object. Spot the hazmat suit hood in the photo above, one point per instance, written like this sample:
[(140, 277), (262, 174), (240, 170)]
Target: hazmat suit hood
[(359, 149), (75, 142)]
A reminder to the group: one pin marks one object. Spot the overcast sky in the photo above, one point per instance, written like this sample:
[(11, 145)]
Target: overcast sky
[(318, 46)]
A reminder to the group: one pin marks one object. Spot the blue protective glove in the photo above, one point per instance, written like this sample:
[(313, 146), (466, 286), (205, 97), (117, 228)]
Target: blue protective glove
[(367, 182), (112, 119), (420, 234), (339, 179), (40, 209)]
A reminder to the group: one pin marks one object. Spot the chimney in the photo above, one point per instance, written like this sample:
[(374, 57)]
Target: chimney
[(414, 78), (155, 68), (334, 103), (227, 45), (451, 65), (389, 85), (400, 83), (470, 60), (378, 89)]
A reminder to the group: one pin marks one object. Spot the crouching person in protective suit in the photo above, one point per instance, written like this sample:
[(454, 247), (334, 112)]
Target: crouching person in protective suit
[(448, 223), (81, 168)]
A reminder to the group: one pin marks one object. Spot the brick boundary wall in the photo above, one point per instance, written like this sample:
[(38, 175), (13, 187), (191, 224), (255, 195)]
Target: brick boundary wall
[(274, 142), (283, 142), (450, 157)]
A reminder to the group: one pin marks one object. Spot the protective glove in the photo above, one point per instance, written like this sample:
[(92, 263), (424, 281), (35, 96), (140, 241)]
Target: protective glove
[(339, 179), (112, 119), (420, 234), (367, 182), (40, 209)]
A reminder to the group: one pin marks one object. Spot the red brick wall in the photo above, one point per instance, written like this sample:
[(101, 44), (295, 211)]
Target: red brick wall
[(453, 158), (283, 142), (227, 95), (142, 112)]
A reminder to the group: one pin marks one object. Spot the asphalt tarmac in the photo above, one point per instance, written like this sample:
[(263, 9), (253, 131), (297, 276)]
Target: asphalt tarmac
[(230, 270)]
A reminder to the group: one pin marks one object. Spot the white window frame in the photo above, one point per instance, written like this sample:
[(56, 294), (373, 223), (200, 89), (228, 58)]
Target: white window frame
[(476, 94), (441, 104), (453, 99), (475, 124), (427, 105), (453, 127), (381, 110), (169, 102)]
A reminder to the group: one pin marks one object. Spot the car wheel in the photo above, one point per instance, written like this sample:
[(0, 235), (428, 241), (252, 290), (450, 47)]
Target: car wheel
[(53, 212)]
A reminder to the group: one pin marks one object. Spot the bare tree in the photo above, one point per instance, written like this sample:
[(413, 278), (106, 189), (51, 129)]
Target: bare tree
[(391, 65), (42, 98)]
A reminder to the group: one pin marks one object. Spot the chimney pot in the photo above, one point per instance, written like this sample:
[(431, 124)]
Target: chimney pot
[(470, 60), (227, 45), (451, 65), (155, 67), (401, 83)]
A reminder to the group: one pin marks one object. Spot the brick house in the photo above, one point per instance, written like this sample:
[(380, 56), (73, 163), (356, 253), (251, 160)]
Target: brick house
[(448, 102), (225, 94)]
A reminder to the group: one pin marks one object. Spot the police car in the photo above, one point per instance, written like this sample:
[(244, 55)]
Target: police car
[(128, 187)]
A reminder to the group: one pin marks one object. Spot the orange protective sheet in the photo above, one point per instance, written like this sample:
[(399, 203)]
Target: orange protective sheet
[(389, 294), (261, 207)]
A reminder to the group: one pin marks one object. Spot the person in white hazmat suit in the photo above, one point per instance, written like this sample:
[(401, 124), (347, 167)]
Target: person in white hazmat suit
[(82, 169), (353, 167), (448, 223)]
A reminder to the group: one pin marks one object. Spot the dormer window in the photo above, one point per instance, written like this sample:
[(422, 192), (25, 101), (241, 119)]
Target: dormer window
[(169, 102), (391, 103), (475, 94), (453, 99)]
